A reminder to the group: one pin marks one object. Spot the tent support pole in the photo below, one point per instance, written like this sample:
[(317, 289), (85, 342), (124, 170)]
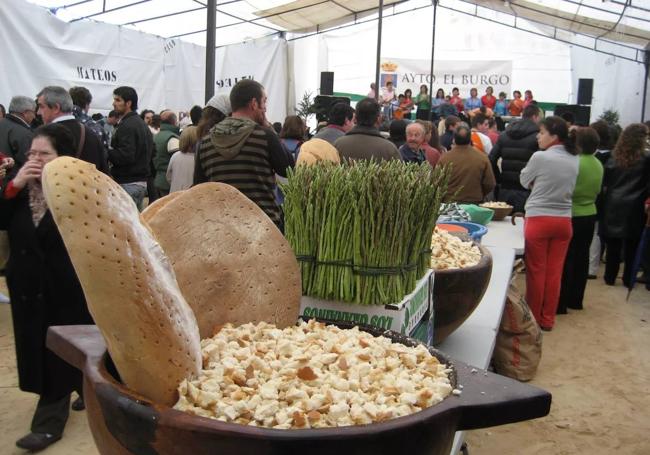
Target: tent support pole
[(210, 45), (645, 84), (433, 52), (378, 66)]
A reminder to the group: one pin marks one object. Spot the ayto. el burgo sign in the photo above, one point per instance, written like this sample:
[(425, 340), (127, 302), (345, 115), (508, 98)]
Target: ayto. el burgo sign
[(447, 74)]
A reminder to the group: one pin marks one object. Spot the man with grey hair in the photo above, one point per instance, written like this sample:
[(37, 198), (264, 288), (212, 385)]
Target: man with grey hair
[(15, 130), (55, 106), (411, 151)]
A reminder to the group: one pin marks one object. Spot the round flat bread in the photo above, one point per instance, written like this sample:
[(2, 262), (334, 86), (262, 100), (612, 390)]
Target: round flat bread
[(156, 205), (231, 261), (130, 288)]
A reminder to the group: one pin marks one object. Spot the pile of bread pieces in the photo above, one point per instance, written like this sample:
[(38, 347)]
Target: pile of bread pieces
[(159, 282)]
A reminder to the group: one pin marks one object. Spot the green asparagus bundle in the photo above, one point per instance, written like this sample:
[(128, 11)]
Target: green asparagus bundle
[(362, 230)]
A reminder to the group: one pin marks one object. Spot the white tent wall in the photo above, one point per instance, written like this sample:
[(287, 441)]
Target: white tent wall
[(41, 50), (44, 50), (184, 75), (539, 64), (264, 60), (307, 58), (549, 68), (618, 84)]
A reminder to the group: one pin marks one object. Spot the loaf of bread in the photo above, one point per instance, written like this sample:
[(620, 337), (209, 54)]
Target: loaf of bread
[(151, 209), (232, 263), (129, 284)]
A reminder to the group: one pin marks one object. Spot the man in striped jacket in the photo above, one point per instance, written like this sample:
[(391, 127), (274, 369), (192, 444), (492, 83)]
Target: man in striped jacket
[(244, 151)]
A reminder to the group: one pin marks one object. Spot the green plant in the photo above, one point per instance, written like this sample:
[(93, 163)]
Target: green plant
[(305, 106), (610, 116)]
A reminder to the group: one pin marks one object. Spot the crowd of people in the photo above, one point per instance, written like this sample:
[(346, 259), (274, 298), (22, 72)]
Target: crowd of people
[(566, 179), (424, 106)]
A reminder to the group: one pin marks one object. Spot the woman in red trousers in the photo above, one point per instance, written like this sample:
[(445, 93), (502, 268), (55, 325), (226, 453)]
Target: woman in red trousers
[(551, 176)]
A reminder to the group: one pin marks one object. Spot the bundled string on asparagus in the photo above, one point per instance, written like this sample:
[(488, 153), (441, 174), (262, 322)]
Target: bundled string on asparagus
[(362, 230)]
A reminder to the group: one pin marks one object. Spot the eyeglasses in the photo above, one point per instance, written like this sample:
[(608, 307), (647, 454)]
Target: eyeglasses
[(39, 153)]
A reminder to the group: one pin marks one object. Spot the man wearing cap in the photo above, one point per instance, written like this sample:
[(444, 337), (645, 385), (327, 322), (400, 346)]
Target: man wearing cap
[(341, 120), (15, 131), (243, 150)]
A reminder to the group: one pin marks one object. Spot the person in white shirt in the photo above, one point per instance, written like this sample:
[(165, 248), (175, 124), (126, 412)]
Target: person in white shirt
[(387, 98)]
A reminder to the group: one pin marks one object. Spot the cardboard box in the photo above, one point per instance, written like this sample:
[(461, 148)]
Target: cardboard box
[(402, 317)]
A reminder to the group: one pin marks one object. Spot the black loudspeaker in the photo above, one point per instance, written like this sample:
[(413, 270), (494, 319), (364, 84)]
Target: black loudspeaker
[(323, 104), (581, 114), (327, 83), (585, 91)]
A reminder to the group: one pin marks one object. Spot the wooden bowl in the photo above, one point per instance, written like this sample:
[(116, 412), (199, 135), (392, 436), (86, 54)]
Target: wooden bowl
[(457, 292), (500, 212), (123, 422)]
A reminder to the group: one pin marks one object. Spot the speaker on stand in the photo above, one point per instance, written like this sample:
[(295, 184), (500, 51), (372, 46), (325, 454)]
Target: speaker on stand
[(327, 83), (585, 91)]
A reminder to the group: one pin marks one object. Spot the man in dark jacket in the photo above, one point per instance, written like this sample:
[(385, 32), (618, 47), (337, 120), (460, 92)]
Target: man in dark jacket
[(447, 139), (514, 148), (166, 143), (244, 151), (339, 121), (81, 98), (15, 131), (364, 142), (55, 106), (132, 146)]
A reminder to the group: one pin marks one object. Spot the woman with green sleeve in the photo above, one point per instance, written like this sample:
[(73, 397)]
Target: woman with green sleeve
[(423, 102), (583, 220)]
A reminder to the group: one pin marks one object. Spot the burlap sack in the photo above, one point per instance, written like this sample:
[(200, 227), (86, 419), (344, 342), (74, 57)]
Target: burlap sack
[(518, 348)]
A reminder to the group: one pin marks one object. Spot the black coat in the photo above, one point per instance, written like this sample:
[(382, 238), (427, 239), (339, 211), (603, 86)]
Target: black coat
[(15, 138), (515, 146), (44, 291), (624, 192), (132, 150), (93, 151)]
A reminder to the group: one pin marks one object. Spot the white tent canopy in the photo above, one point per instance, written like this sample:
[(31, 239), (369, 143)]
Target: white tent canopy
[(589, 36), (614, 26)]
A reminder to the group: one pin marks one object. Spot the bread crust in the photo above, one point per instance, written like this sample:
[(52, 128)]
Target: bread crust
[(231, 261), (129, 284)]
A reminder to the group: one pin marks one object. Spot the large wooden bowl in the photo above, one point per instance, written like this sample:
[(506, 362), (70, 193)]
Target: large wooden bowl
[(456, 293), (499, 212), (125, 423)]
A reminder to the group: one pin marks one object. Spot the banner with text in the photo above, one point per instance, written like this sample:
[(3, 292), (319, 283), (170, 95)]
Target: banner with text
[(264, 60), (447, 74), (42, 50)]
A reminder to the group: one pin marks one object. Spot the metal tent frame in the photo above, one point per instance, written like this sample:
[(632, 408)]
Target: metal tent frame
[(524, 15)]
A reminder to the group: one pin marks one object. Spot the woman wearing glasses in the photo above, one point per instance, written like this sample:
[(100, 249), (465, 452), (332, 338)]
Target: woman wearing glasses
[(43, 288)]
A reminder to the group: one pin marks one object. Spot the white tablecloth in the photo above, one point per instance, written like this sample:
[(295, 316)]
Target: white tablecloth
[(504, 234), (473, 342)]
